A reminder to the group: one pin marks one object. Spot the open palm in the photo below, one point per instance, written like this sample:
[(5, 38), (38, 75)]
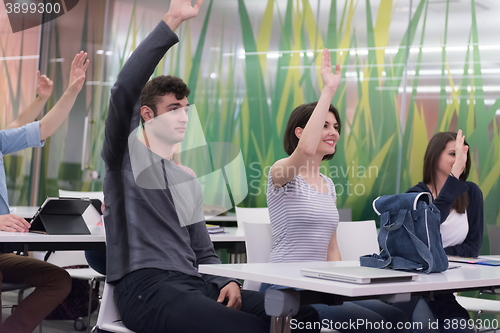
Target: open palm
[(78, 69), (44, 86), (183, 10), (330, 79)]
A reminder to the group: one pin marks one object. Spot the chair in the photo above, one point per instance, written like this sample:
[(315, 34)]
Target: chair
[(481, 305), (252, 214), (357, 238), (20, 287), (258, 243), (248, 215), (74, 258), (108, 318)]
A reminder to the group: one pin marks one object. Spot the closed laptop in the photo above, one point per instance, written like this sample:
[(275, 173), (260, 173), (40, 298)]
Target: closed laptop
[(358, 274)]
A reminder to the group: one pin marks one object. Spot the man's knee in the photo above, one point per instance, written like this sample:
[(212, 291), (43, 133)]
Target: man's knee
[(58, 279)]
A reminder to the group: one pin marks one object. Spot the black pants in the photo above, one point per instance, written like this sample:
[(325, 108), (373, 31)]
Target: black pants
[(153, 300)]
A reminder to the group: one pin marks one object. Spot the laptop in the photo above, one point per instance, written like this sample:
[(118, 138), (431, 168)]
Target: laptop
[(358, 274), (61, 216)]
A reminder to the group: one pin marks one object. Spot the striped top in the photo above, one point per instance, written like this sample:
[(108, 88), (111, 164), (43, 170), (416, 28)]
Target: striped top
[(303, 220)]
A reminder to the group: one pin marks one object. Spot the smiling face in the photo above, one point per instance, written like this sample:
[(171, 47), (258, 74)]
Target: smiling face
[(330, 135)]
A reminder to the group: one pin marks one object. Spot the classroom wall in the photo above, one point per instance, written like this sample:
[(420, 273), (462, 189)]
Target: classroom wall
[(410, 68)]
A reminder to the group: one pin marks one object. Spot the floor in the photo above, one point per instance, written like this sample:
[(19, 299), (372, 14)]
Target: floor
[(48, 326)]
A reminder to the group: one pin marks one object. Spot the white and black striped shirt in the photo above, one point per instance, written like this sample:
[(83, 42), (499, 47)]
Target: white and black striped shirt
[(303, 220)]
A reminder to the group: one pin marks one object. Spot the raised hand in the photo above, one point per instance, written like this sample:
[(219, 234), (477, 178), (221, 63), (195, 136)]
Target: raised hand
[(330, 80), (461, 150), (78, 69), (180, 11), (44, 86)]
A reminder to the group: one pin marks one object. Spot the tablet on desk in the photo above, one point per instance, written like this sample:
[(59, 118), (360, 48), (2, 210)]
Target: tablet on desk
[(358, 274), (61, 216)]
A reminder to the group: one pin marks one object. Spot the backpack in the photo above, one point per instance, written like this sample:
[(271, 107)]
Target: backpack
[(409, 234)]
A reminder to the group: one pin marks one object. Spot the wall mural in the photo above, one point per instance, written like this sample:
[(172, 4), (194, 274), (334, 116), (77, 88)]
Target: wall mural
[(410, 71)]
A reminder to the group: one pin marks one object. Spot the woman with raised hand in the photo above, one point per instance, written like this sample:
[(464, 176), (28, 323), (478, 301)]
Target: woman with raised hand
[(460, 202), (52, 283), (302, 202)]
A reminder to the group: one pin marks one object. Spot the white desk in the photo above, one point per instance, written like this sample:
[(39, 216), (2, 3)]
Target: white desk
[(28, 212), (288, 274), (231, 234), (16, 241), (466, 277)]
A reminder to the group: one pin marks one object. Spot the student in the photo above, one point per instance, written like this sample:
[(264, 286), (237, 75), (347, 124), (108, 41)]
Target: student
[(460, 202), (302, 201), (52, 284), (155, 231)]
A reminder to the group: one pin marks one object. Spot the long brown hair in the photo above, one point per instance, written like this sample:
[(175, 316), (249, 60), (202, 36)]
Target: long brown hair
[(431, 160)]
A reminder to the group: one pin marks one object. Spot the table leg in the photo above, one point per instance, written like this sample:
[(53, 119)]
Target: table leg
[(281, 305), (276, 324), (286, 324)]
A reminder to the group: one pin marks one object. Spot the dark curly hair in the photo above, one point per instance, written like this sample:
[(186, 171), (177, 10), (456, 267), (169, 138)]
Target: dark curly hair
[(161, 86)]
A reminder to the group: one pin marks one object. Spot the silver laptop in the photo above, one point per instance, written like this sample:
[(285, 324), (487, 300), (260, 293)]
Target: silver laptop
[(357, 274)]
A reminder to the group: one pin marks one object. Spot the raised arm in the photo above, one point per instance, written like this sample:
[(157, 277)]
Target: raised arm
[(286, 169), (56, 116), (133, 77), (180, 11), (43, 91)]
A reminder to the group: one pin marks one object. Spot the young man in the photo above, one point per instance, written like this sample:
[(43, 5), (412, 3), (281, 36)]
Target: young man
[(52, 284), (155, 231)]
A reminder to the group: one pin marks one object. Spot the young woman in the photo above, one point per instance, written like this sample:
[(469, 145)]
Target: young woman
[(52, 284), (446, 168), (302, 201)]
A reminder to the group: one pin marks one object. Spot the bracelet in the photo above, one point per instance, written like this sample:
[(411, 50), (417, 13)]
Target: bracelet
[(451, 174)]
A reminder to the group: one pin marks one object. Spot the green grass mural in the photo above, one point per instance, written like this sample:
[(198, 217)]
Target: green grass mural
[(377, 154), (246, 98)]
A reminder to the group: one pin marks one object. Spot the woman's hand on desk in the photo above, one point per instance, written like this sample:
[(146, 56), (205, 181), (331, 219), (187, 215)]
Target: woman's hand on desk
[(13, 223), (231, 292)]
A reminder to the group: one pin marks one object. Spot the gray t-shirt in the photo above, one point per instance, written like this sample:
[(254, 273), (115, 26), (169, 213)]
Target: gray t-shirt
[(303, 220)]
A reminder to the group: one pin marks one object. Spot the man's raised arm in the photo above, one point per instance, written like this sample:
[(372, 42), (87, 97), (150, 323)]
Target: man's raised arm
[(135, 74)]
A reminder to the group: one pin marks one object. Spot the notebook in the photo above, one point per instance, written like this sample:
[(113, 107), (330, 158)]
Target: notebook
[(61, 216), (357, 274), (479, 261)]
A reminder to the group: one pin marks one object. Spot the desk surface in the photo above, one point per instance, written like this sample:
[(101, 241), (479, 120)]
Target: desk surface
[(465, 277), (28, 212), (232, 234)]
